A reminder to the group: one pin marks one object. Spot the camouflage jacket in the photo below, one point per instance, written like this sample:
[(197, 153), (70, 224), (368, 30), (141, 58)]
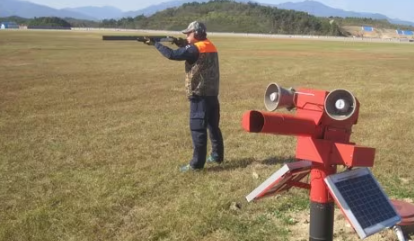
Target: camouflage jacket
[(203, 76)]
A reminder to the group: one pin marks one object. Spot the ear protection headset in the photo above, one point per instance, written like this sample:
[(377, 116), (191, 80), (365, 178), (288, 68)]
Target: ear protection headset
[(199, 32)]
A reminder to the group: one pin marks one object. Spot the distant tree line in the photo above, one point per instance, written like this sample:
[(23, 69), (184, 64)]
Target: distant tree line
[(79, 23), (48, 22), (51, 22), (223, 16), (15, 19)]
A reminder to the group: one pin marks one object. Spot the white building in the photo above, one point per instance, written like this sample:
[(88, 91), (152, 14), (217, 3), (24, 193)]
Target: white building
[(6, 25)]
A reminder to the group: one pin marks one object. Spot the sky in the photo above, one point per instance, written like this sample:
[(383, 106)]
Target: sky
[(402, 9)]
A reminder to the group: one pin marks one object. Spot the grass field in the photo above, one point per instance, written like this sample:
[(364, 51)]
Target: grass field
[(92, 133)]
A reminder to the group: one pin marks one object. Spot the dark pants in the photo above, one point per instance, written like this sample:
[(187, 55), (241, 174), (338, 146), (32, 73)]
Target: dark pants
[(205, 114)]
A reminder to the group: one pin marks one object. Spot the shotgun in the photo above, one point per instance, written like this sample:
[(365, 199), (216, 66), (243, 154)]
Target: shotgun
[(180, 42)]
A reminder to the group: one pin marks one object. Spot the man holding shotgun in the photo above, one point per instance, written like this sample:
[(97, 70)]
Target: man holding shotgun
[(202, 79)]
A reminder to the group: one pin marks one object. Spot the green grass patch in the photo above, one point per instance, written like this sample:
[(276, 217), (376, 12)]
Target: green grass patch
[(92, 133)]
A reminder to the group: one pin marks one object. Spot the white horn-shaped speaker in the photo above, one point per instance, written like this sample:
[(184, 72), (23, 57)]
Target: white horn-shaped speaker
[(277, 97), (340, 104)]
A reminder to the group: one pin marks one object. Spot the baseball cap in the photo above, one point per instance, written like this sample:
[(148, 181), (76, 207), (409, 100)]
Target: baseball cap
[(195, 26)]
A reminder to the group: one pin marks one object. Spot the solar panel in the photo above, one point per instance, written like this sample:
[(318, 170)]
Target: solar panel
[(363, 201), (400, 32), (282, 180)]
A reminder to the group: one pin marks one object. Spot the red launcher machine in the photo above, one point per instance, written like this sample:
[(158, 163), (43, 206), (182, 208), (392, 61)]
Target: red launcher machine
[(322, 125)]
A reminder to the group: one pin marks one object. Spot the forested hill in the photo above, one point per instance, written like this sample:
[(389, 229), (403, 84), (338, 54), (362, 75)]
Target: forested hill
[(230, 16)]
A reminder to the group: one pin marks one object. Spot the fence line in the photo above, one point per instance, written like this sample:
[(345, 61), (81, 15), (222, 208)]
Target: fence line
[(278, 36), (231, 34)]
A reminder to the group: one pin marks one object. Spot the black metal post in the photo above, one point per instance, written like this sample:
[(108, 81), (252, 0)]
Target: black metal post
[(321, 221)]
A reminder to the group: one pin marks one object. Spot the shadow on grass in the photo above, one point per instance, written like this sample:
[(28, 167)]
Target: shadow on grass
[(245, 162)]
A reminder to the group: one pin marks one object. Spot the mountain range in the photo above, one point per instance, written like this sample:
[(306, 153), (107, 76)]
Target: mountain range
[(30, 10)]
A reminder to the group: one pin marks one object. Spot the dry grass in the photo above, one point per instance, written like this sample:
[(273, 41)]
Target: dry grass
[(92, 133)]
